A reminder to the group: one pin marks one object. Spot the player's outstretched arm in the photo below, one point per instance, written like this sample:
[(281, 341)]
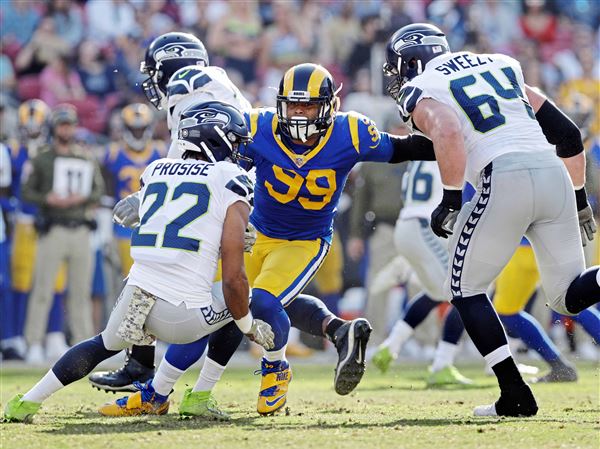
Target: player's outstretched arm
[(235, 283), (562, 132), (441, 124)]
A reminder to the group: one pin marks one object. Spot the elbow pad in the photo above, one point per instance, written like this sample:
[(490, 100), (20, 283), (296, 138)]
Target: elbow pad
[(559, 130), (413, 147)]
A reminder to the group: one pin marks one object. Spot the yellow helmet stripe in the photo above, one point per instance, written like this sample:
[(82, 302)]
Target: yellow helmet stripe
[(288, 81), (315, 81)]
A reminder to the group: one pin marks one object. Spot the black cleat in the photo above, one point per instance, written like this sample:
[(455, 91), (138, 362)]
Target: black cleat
[(518, 401), (351, 340), (123, 378)]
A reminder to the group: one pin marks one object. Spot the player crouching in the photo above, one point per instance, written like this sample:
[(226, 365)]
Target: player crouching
[(192, 210)]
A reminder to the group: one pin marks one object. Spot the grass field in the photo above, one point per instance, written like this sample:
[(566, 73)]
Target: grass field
[(392, 411)]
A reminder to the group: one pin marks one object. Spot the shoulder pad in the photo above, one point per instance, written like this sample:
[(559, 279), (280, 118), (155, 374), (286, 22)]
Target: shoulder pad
[(407, 100), (187, 80)]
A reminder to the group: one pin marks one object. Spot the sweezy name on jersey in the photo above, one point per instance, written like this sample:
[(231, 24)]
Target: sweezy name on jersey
[(461, 62), (181, 168)]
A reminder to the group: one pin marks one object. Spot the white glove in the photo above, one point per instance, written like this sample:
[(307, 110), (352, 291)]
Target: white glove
[(262, 334), (587, 225), (249, 238), (126, 211)]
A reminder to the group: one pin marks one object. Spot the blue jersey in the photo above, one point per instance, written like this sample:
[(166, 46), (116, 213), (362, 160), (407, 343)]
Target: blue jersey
[(19, 157), (298, 188), (126, 168)]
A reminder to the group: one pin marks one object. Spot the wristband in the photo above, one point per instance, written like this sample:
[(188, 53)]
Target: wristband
[(581, 198), (245, 323), (452, 199)]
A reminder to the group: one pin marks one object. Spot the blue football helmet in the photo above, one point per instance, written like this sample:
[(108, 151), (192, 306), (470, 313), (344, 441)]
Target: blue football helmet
[(409, 50), (215, 130), (164, 56)]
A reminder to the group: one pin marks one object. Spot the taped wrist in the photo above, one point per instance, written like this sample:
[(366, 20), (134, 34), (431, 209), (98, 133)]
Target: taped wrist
[(452, 199), (411, 148), (559, 130), (581, 198)]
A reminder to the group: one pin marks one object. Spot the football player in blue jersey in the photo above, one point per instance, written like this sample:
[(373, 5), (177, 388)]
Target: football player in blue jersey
[(125, 162), (303, 152)]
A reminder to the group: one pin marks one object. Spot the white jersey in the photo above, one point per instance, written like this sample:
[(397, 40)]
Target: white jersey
[(197, 84), (488, 94), (176, 246), (422, 190)]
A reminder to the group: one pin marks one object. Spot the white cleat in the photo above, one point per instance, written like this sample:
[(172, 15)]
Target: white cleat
[(485, 410)]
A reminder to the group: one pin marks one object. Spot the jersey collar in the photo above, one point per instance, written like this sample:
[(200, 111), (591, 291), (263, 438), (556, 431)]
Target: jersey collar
[(300, 159)]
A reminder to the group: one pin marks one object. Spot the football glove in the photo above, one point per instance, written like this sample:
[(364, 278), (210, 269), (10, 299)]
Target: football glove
[(126, 211), (587, 224), (249, 238), (444, 216), (262, 334)]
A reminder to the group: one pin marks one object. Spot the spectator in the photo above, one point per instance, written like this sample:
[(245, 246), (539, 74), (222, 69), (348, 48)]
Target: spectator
[(68, 19), (284, 43), (8, 81), (537, 22), (97, 77), (44, 47), (60, 82), (18, 21), (109, 19), (340, 32), (360, 56), (236, 37), (64, 182)]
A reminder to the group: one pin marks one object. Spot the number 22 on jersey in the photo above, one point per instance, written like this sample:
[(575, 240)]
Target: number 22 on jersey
[(314, 184), (171, 237)]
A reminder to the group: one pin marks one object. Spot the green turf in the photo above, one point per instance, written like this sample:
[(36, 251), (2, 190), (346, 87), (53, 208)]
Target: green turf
[(392, 411)]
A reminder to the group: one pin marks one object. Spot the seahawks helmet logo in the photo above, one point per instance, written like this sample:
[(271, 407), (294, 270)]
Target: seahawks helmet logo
[(205, 116), (417, 38), (177, 51)]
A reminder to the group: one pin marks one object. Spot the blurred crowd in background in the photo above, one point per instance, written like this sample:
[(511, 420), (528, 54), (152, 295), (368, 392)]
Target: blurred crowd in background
[(88, 53)]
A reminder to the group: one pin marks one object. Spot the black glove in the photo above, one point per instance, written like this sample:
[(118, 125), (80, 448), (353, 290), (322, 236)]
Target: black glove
[(444, 216), (587, 225)]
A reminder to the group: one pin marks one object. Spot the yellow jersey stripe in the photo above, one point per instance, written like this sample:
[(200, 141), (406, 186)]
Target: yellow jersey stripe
[(353, 123), (253, 122)]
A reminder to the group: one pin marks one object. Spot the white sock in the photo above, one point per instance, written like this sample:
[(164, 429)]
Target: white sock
[(444, 355), (165, 378), (209, 375), (399, 335), (497, 356), (294, 335), (275, 356), (47, 386)]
